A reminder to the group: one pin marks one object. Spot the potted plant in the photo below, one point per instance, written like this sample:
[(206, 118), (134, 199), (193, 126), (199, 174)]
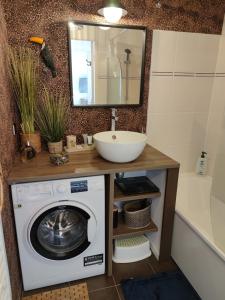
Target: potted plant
[(23, 70), (51, 119)]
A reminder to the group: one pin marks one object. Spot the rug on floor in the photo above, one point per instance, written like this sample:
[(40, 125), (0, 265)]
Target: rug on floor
[(162, 286), (73, 292)]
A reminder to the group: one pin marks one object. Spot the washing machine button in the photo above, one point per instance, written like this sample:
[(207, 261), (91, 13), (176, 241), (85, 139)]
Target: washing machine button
[(61, 188)]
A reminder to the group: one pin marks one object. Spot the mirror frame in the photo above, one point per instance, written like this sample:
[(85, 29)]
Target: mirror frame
[(141, 94)]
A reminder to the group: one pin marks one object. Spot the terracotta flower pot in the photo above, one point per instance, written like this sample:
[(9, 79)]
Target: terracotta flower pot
[(33, 138), (55, 148)]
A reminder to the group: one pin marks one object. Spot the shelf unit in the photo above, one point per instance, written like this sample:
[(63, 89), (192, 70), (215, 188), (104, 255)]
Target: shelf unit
[(89, 163), (119, 196), (122, 229)]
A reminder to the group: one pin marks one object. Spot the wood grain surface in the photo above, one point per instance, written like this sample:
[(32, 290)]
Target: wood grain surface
[(85, 164)]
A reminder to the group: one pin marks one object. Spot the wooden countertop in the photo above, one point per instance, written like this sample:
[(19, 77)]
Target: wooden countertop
[(86, 163)]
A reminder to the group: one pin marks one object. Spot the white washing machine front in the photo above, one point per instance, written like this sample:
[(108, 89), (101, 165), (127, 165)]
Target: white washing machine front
[(60, 232)]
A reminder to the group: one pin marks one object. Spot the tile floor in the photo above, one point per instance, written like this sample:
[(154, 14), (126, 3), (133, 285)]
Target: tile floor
[(109, 288)]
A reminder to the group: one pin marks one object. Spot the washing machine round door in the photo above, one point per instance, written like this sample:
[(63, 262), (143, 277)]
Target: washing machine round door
[(61, 232)]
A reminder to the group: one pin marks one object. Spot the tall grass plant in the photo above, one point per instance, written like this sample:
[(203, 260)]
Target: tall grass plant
[(51, 116), (23, 69)]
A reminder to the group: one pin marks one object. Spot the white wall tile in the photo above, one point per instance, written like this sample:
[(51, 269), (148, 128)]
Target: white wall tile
[(208, 45), (163, 50), (185, 154), (186, 56), (218, 170), (161, 94), (173, 128), (198, 130), (180, 136), (218, 95), (220, 66), (184, 94), (178, 112), (203, 93), (212, 141), (180, 94), (178, 153), (215, 122)]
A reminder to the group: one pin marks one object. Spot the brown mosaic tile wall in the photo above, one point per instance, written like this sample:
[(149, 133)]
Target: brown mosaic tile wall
[(7, 153), (49, 18)]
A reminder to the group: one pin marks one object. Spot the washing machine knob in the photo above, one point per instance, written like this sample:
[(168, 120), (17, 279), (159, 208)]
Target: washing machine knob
[(61, 188)]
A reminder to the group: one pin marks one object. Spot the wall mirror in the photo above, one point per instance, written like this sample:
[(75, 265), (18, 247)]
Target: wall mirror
[(106, 64)]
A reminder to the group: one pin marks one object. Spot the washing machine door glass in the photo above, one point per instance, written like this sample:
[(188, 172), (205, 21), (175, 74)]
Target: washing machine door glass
[(60, 232)]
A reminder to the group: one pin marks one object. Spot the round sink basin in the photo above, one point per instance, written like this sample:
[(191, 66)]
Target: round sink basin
[(120, 146)]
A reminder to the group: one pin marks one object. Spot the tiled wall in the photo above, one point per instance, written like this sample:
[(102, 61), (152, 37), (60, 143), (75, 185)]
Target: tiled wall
[(215, 137), (49, 19), (183, 74), (215, 145), (7, 153), (216, 121)]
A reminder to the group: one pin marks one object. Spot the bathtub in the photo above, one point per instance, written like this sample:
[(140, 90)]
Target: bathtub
[(198, 245)]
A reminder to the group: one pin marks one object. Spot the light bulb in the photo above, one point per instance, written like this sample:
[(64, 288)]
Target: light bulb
[(112, 14)]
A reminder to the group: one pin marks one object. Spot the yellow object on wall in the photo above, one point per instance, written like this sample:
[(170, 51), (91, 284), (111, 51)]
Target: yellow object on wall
[(37, 40)]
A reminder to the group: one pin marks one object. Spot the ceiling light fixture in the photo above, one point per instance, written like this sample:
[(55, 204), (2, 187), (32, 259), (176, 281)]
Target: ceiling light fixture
[(113, 11)]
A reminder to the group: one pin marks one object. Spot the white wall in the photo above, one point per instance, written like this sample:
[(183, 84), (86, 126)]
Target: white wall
[(181, 86)]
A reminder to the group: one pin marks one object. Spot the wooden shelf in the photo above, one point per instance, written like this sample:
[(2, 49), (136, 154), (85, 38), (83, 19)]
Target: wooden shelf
[(87, 163), (118, 195), (123, 231)]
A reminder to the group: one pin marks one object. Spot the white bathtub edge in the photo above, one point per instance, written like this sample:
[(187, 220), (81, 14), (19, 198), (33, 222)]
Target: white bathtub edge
[(200, 264)]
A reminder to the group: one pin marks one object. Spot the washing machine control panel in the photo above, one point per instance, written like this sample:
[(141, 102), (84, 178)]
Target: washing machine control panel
[(33, 192), (78, 186), (61, 188)]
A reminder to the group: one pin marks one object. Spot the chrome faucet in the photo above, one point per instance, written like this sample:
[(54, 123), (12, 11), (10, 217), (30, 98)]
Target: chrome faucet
[(114, 119)]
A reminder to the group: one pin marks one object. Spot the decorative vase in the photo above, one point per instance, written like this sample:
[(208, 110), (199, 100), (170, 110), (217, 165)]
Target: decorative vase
[(56, 147), (33, 138)]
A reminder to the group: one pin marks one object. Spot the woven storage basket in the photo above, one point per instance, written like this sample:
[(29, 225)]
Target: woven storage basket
[(137, 214)]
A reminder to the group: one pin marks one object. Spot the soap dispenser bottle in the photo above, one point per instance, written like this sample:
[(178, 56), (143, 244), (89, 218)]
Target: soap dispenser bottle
[(202, 164)]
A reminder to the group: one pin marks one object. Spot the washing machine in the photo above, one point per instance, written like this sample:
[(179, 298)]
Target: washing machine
[(60, 227)]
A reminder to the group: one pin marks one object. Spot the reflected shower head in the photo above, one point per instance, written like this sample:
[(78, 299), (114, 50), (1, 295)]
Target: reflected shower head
[(128, 52)]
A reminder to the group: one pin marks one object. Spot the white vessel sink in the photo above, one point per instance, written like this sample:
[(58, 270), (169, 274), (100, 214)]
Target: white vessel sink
[(120, 146)]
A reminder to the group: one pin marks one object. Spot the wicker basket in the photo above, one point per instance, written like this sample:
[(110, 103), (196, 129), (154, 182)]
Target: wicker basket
[(137, 214)]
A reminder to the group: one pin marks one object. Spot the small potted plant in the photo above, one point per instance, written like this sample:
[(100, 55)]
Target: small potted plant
[(51, 116), (23, 70)]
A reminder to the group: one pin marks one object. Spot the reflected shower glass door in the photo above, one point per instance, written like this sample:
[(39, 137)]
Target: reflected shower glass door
[(82, 68), (114, 88)]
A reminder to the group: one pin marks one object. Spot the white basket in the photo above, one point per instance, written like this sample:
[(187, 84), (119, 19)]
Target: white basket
[(131, 249)]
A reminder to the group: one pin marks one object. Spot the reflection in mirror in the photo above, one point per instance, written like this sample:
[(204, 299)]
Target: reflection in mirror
[(106, 64)]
